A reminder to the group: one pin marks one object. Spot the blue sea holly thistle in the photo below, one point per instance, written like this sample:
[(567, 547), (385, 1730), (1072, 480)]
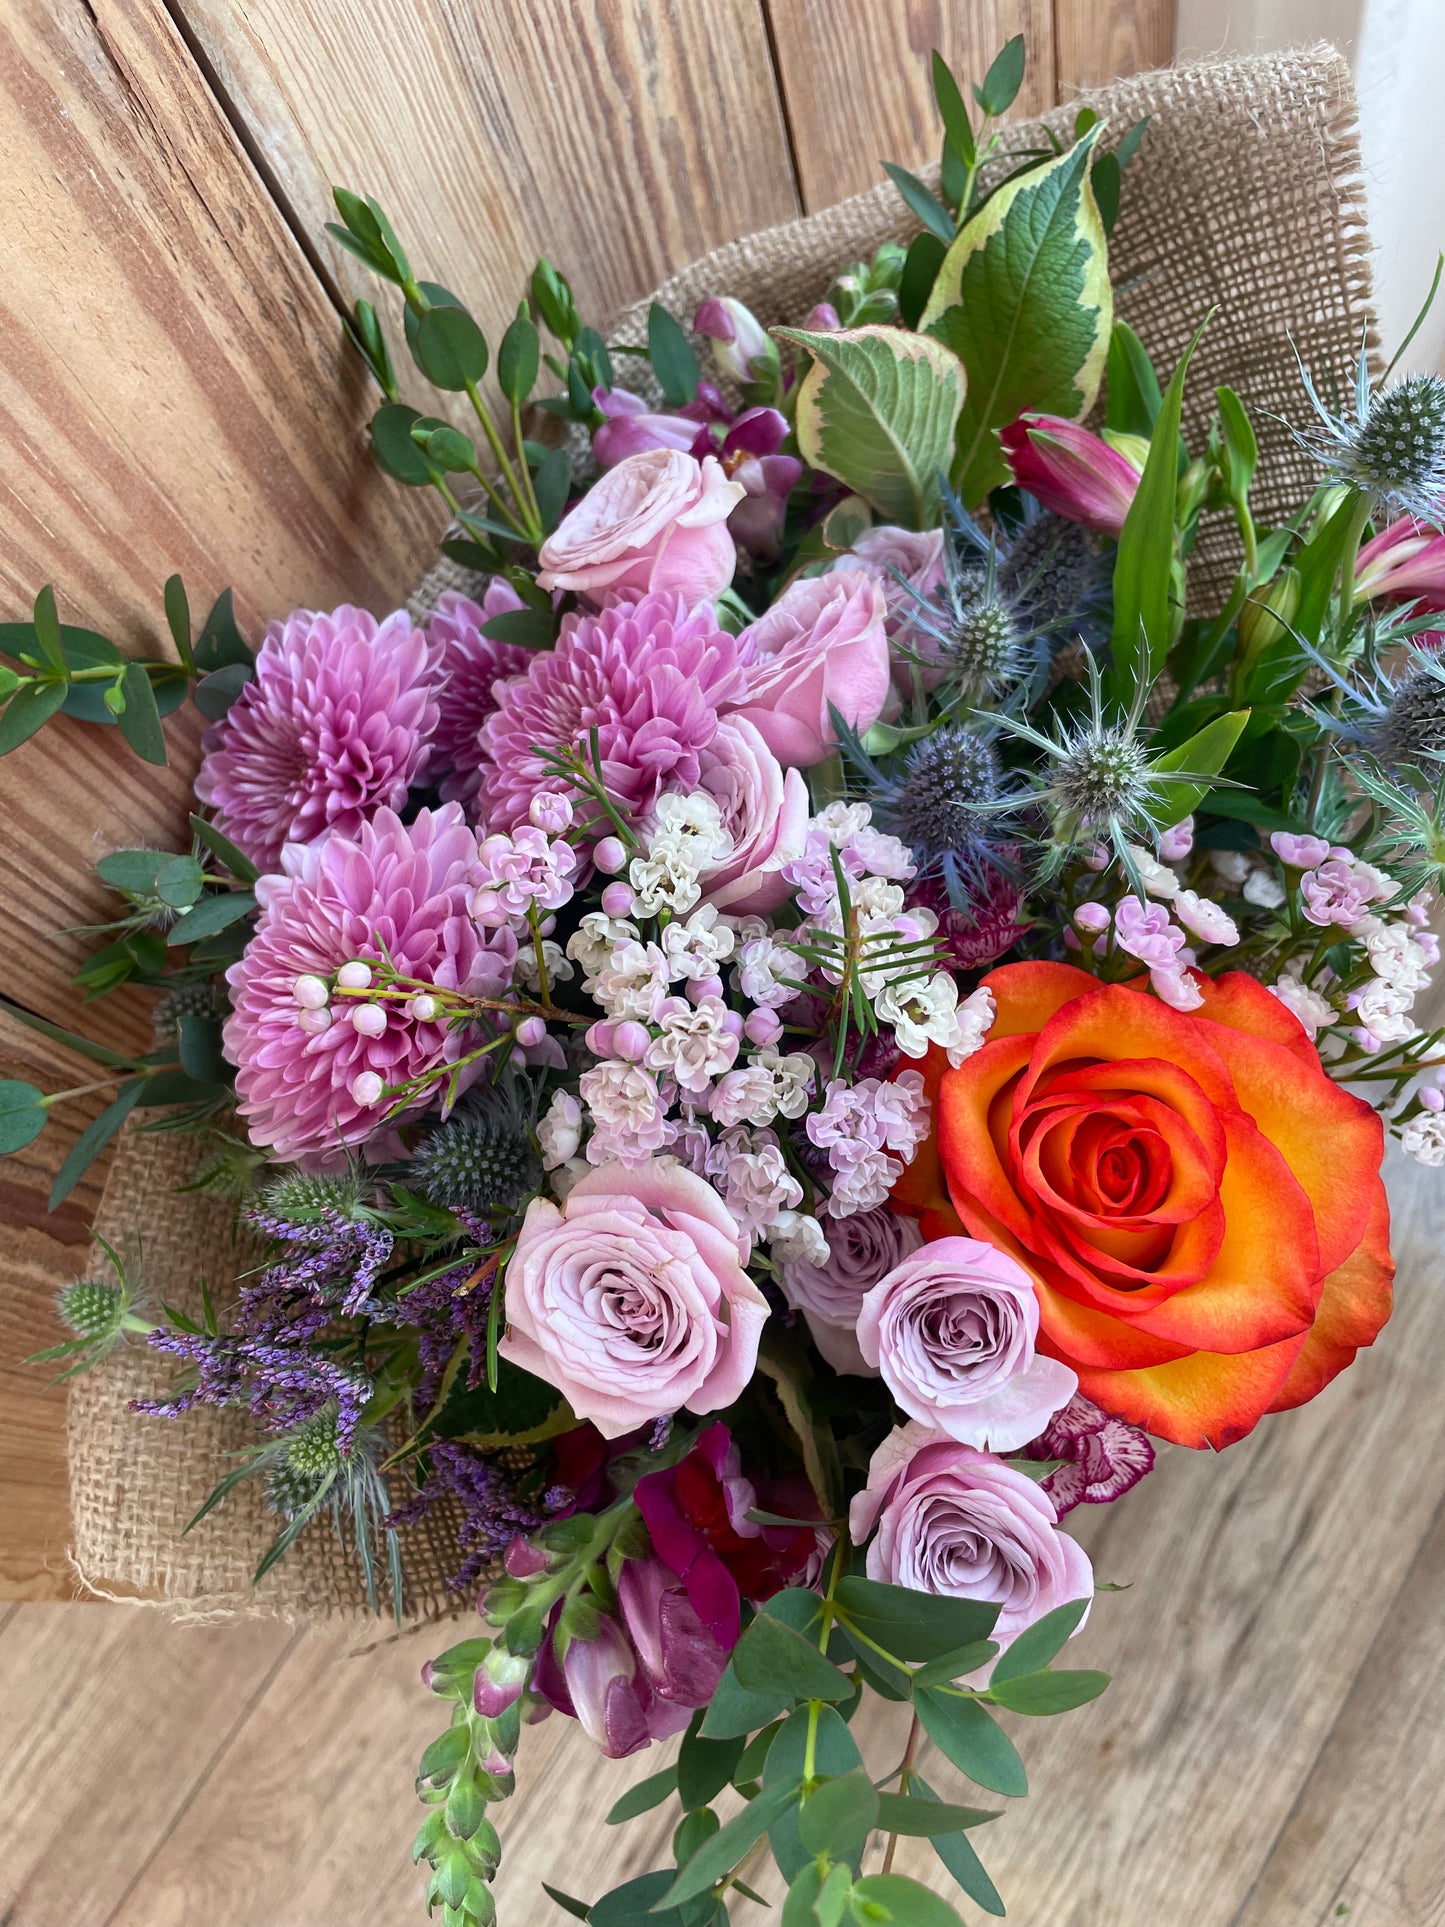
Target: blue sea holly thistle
[(1393, 451)]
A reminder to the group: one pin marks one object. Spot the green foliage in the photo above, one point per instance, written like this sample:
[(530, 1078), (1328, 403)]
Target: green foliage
[(877, 409), (1023, 300)]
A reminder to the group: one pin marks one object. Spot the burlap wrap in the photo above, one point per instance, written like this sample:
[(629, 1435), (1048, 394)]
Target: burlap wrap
[(1246, 200)]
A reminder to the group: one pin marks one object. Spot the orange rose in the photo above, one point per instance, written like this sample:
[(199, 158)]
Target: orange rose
[(1200, 1206)]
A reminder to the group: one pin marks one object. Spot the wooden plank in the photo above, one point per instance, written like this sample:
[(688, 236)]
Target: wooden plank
[(620, 137), (1096, 41), (856, 79), (1363, 1840), (109, 1718), (40, 1250), (173, 395)]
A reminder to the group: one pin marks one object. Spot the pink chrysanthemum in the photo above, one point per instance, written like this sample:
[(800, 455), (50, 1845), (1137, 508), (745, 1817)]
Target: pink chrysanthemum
[(647, 675), (404, 886), (335, 723), (472, 663)]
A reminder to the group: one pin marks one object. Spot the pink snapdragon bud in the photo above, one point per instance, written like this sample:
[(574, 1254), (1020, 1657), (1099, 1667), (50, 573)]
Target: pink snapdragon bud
[(610, 855), (762, 1027), (522, 1559), (1176, 843), (1299, 852), (1432, 1098), (1071, 471), (499, 1682), (617, 899), (738, 338), (549, 810)]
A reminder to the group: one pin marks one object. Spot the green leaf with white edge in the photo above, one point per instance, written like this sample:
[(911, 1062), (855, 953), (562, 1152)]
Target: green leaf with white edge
[(717, 1857), (771, 1658), (893, 1900), (921, 201), (878, 409), (140, 720), (22, 1114), (838, 1815), (913, 1625), (92, 1141), (29, 709), (922, 1819), (966, 1734), (1005, 76), (1204, 754), (672, 358), (1038, 1644), (1133, 396), (643, 1797), (213, 913), (957, 1854), (1023, 300), (1040, 1694), (1144, 609)]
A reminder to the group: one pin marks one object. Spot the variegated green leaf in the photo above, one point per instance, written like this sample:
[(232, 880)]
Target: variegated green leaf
[(1023, 299), (878, 410)]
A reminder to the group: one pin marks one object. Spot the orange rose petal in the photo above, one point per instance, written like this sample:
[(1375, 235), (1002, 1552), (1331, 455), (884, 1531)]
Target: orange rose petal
[(1206, 1399), (1049, 1160), (966, 1143), (1333, 1142), (1117, 1026), (1264, 1283), (1082, 1334), (1243, 1003), (1354, 1305), (1028, 994)]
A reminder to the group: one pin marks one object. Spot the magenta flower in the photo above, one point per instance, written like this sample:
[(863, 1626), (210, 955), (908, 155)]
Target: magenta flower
[(1071, 471), (334, 725), (750, 455), (1103, 1456), (1405, 561), (647, 675), (310, 1081), (601, 1685), (472, 664)]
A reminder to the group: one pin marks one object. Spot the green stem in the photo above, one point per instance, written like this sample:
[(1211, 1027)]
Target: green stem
[(531, 528), (525, 468), (1358, 521), (904, 1772)]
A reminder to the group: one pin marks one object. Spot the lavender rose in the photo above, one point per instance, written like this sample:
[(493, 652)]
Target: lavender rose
[(952, 1331), (917, 556), (631, 1299), (822, 646), (655, 522), (861, 1250), (958, 1522), (764, 810)]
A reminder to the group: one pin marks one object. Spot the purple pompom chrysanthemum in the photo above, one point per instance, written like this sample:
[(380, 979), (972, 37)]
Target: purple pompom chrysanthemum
[(401, 885), (473, 664), (335, 723), (649, 676)]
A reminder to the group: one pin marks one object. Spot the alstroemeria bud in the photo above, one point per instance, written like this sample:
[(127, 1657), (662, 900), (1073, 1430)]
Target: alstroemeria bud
[(499, 1682), (1071, 471), (1267, 614), (741, 346)]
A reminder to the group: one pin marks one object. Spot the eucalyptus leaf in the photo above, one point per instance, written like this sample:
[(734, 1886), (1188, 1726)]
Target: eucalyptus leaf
[(771, 1658), (28, 710), (923, 1819), (1023, 299), (838, 1815), (393, 447), (213, 913), (729, 1845), (643, 1797), (1040, 1694), (921, 201), (877, 409), (913, 1625), (518, 360), (733, 1710), (835, 1752), (965, 1733), (140, 720), (705, 1767), (956, 1852), (450, 348), (672, 358), (22, 1114), (1004, 78), (214, 694), (1038, 1644), (894, 1899)]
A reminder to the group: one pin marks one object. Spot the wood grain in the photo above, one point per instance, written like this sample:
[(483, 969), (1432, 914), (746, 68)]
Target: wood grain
[(855, 78), (1101, 40), (172, 396), (619, 137)]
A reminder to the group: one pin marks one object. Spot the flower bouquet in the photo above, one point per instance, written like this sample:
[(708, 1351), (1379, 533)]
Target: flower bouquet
[(772, 1043)]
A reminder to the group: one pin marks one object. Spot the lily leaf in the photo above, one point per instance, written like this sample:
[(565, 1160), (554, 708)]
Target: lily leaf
[(1204, 754)]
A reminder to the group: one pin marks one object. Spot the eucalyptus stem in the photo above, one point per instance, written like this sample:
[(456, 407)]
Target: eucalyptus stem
[(903, 1772)]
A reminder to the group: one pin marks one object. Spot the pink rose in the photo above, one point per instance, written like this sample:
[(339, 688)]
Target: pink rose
[(655, 522), (957, 1522), (765, 812), (821, 646), (631, 1299), (918, 556), (861, 1249), (952, 1332)]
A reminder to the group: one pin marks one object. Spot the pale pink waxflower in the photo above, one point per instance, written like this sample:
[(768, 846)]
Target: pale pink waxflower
[(473, 664), (1177, 988), (336, 902), (513, 872), (1068, 469), (1339, 891), (335, 724), (628, 1115), (1176, 842), (647, 675), (1203, 918), (1145, 932), (1298, 851)]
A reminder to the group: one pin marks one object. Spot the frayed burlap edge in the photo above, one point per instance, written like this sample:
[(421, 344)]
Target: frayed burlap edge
[(1247, 199)]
